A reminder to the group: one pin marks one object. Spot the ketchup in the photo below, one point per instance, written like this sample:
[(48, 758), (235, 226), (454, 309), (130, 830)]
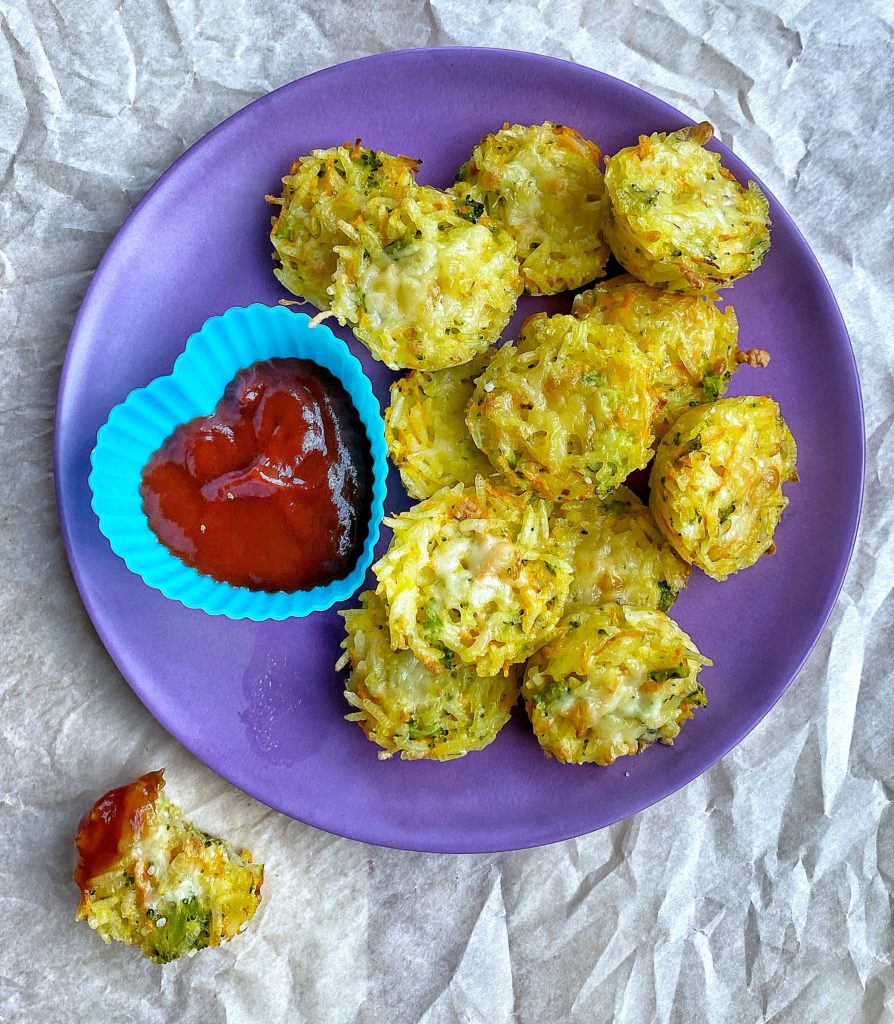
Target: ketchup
[(272, 490), (118, 816)]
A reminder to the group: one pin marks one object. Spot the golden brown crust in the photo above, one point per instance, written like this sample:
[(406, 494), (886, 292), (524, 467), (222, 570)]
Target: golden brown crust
[(757, 357)]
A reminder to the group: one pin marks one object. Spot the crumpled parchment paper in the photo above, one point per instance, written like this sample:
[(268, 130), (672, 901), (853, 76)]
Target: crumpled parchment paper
[(759, 893)]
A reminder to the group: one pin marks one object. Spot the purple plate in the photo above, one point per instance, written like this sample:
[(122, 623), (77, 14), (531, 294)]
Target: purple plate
[(260, 703)]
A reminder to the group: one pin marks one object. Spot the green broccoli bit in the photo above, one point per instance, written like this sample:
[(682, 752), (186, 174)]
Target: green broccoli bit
[(714, 385), (616, 506), (647, 196), (398, 247), (470, 209), (661, 675), (551, 694), (425, 730), (667, 595), (463, 173), (432, 618), (179, 928), (697, 698), (695, 445), (725, 513), (370, 160)]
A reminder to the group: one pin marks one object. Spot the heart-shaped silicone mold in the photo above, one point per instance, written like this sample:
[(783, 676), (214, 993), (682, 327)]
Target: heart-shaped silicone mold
[(137, 427)]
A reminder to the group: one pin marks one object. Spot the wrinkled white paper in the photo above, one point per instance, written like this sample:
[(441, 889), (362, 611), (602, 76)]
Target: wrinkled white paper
[(759, 893)]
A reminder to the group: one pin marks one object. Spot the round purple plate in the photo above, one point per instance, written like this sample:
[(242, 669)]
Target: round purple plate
[(260, 703)]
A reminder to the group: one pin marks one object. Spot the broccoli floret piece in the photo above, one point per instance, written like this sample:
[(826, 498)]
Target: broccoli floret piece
[(667, 595), (180, 928), (470, 209), (370, 160), (714, 385), (725, 513)]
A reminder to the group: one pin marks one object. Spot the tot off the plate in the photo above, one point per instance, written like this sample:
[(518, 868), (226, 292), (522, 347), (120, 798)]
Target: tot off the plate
[(150, 879)]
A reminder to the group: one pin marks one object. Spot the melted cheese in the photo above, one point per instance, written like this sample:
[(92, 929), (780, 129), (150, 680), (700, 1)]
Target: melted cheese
[(473, 575), (423, 286), (619, 554)]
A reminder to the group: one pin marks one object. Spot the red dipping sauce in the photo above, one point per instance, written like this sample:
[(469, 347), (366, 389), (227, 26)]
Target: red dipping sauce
[(272, 491), (116, 818)]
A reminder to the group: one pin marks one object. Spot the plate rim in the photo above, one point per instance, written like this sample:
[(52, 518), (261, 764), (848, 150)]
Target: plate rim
[(370, 833)]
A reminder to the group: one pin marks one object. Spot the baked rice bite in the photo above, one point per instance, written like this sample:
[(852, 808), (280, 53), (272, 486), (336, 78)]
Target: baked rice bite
[(425, 427), (690, 344), (612, 681), (544, 184), (716, 485), (618, 553), (407, 709), (676, 218), (473, 576), (568, 411), (429, 283), (322, 190), (150, 879)]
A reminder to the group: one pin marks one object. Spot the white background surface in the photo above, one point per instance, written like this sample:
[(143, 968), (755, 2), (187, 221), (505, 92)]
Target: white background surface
[(759, 893)]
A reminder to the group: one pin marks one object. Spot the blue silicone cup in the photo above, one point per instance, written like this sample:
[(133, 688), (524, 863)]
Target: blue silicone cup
[(138, 426)]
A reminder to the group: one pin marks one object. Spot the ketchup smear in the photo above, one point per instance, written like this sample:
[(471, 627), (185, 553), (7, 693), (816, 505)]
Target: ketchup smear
[(119, 815), (272, 490)]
